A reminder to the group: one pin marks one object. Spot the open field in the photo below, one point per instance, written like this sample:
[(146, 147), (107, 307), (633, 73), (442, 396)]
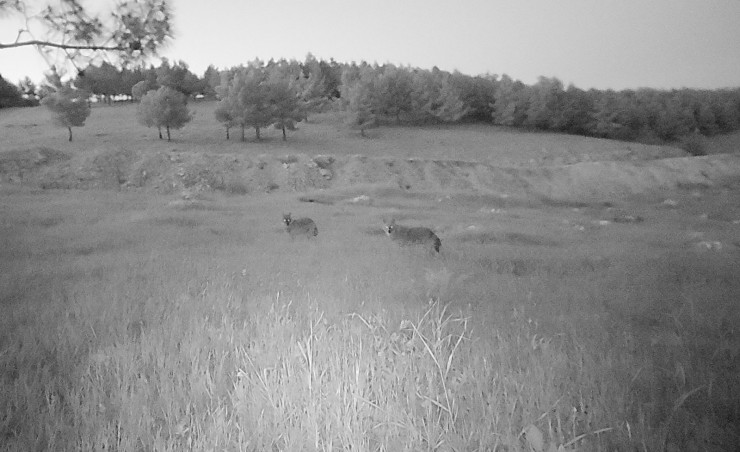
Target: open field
[(324, 134), (135, 319)]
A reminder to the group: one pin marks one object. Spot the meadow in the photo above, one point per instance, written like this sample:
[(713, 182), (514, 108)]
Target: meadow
[(133, 320)]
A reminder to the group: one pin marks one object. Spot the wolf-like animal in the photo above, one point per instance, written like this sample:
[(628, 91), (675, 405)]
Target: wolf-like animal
[(300, 227), (412, 236)]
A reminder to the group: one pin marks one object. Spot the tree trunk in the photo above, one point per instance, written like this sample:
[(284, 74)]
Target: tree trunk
[(160, 132), (257, 132), (168, 133), (70, 133), (227, 133), (284, 137)]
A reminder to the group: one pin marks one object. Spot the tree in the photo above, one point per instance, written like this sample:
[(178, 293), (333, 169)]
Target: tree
[(104, 81), (229, 111), (28, 88), (179, 77), (477, 93), (358, 94), (129, 78), (133, 30), (224, 113), (164, 107), (69, 106), (252, 97), (284, 101), (544, 103), (10, 96), (139, 90), (312, 86), (511, 102), (575, 113), (434, 97), (211, 79), (393, 90), (332, 74)]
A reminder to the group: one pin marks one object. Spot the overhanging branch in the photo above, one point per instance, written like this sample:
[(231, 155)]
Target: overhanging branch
[(61, 46)]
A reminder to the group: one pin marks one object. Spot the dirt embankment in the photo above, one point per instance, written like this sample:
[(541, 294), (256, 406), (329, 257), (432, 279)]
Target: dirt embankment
[(193, 172)]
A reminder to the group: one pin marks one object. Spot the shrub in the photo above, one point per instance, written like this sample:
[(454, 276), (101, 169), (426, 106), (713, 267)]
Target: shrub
[(695, 144)]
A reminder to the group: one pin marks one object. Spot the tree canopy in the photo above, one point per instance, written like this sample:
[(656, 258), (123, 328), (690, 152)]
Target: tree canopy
[(133, 30), (165, 107), (69, 106)]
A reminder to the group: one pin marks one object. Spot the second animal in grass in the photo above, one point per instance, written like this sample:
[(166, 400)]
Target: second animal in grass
[(300, 227), (412, 236)]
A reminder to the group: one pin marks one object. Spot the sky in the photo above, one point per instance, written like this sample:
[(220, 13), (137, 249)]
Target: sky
[(603, 44)]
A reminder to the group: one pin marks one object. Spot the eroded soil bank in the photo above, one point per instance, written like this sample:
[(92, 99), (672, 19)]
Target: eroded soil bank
[(191, 173)]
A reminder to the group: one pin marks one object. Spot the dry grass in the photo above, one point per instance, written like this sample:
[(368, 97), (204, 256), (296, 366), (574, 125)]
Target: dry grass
[(134, 323)]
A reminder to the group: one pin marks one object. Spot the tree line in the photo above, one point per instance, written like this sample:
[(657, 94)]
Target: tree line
[(283, 93)]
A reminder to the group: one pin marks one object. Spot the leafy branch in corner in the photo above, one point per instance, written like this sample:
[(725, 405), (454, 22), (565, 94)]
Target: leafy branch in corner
[(132, 31)]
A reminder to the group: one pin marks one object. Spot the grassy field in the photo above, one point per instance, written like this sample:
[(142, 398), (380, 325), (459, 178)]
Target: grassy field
[(323, 134), (136, 321)]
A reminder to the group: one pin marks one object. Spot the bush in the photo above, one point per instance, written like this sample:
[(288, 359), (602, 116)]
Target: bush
[(695, 144)]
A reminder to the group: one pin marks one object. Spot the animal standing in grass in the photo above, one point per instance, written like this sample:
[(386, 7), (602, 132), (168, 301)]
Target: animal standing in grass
[(412, 236), (300, 227)]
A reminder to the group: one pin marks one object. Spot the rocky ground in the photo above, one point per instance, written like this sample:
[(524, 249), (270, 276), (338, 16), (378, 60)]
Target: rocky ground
[(190, 173)]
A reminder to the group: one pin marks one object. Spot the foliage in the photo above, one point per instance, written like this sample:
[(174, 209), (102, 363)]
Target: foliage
[(477, 94), (695, 144), (545, 101), (358, 92), (139, 90), (211, 80), (252, 97), (164, 107), (285, 102), (225, 114), (11, 96), (511, 102), (28, 89), (179, 77), (392, 91), (132, 31), (261, 95), (434, 97), (69, 106), (107, 81), (282, 93)]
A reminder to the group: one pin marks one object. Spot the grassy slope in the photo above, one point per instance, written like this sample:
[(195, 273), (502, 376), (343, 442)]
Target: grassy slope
[(324, 134), (134, 322)]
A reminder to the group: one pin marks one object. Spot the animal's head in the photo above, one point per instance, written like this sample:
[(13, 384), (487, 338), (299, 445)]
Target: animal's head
[(389, 226), (287, 219)]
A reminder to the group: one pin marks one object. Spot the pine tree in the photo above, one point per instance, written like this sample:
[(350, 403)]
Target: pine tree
[(69, 106), (224, 113), (359, 98), (393, 91), (285, 102), (166, 108), (252, 96)]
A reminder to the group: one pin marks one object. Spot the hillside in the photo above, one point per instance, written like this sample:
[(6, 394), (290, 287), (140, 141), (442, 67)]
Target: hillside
[(112, 151)]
